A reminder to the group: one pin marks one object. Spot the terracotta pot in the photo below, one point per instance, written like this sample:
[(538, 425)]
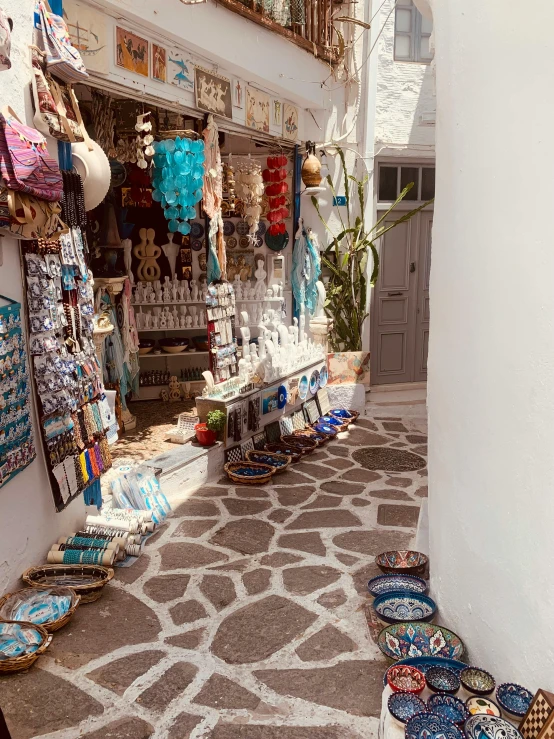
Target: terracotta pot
[(204, 435), (311, 171)]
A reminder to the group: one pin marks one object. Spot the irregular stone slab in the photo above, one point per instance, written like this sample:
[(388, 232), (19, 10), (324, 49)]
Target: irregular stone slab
[(188, 640), (318, 456), (339, 464), (390, 494), (366, 424), (239, 565), (338, 487), (416, 439), (324, 501), (38, 702), (194, 528), (119, 620), (394, 426), (182, 556), (423, 472), (359, 475), (362, 576), (123, 728), (346, 559), (318, 471), (304, 580), (420, 450), (260, 629), (399, 444), (361, 437), (164, 588), (354, 687), (391, 460), (293, 478), (280, 515), (310, 542), (171, 684), (264, 731), (324, 520), (338, 450), (246, 536), (156, 535), (220, 692), (334, 599), (360, 502), (256, 581), (118, 675), (398, 515), (326, 644), (279, 559), (422, 492), (183, 726), (245, 491), (197, 508), (129, 575), (245, 507), (399, 482), (207, 491), (187, 612), (294, 496), (371, 542), (388, 418), (219, 590)]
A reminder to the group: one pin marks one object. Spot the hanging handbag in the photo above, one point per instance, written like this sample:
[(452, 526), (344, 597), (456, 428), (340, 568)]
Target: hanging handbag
[(5, 41), (62, 58), (56, 109), (25, 163), (26, 217)]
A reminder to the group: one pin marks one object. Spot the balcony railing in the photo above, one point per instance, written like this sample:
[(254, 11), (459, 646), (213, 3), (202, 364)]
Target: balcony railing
[(307, 23)]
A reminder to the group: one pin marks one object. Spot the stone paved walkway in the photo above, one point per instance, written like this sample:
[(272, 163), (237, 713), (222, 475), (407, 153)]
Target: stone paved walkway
[(245, 618)]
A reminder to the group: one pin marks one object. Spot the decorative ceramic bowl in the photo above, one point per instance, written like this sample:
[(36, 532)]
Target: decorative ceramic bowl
[(442, 680), (489, 727), (395, 607), (404, 561), (419, 639), (279, 461), (477, 681), (201, 344), (477, 704), (249, 473), (513, 699), (448, 707), (404, 706), (430, 726), (325, 428), (424, 663), (146, 346), (383, 584), (174, 345), (405, 679), (291, 450)]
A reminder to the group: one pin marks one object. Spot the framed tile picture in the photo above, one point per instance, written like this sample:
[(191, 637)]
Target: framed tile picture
[(298, 420), (159, 63), (234, 454), (312, 410), (260, 441), (322, 398), (273, 432), (213, 93), (247, 446), (286, 425), (132, 52)]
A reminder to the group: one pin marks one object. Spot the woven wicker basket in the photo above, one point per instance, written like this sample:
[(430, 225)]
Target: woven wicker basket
[(306, 444), (17, 664), (230, 468), (354, 417), (86, 580), (49, 626), (310, 434), (285, 459), (290, 450)]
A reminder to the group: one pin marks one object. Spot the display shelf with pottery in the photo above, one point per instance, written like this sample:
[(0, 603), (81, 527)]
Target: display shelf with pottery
[(165, 355)]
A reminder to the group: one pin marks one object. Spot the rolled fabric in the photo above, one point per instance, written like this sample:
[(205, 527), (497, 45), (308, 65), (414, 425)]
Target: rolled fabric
[(130, 525), (83, 548), (87, 542), (59, 558)]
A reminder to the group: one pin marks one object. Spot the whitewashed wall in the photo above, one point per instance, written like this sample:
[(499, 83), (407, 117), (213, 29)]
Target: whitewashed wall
[(491, 359), (29, 523)]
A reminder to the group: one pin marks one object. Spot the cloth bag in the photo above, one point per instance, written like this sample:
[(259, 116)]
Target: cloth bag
[(62, 58), (5, 41), (25, 163), (26, 217)]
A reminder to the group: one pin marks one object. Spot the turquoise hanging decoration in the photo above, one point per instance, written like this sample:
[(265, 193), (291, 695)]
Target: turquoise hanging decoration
[(177, 179)]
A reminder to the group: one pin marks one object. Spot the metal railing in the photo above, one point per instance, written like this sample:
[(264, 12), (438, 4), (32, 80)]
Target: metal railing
[(307, 23)]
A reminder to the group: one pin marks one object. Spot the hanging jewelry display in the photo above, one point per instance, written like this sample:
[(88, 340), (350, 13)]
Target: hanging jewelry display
[(250, 188), (104, 122), (73, 410), (220, 307), (212, 202), (177, 178), (17, 448)]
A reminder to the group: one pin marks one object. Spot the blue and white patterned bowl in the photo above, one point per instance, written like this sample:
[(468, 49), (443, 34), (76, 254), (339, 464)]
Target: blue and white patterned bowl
[(431, 726), (424, 663), (404, 706), (419, 639), (489, 727), (383, 584), (396, 607), (449, 707), (442, 680), (477, 681), (513, 699)]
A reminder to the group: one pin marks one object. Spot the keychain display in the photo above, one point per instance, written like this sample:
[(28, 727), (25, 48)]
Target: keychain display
[(73, 410), (17, 448), (220, 307)]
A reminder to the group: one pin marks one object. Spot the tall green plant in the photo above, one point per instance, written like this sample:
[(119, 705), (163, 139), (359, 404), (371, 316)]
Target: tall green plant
[(346, 258)]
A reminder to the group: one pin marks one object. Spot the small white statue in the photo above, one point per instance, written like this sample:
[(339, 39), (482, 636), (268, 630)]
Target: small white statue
[(170, 321), (147, 320), (321, 297), (188, 321), (163, 321), (155, 321), (194, 290)]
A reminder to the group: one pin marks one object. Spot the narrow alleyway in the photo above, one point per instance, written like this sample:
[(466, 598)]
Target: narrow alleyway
[(245, 617)]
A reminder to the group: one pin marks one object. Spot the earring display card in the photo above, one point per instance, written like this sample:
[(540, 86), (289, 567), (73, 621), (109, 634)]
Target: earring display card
[(234, 454), (220, 307), (273, 432), (298, 420), (323, 401), (312, 410), (17, 449)]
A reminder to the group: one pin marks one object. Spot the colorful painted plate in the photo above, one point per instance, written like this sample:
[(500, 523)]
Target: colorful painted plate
[(416, 638), (476, 704), (404, 706), (231, 242), (196, 230), (282, 396), (303, 387), (477, 681), (442, 680), (262, 228), (430, 726), (395, 607), (405, 561), (314, 382), (383, 584), (244, 242), (489, 727), (323, 376), (277, 243), (228, 228), (243, 228), (424, 663), (514, 699), (196, 245), (449, 707)]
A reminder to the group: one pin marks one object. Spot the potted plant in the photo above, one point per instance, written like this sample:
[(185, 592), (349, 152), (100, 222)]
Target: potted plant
[(206, 433)]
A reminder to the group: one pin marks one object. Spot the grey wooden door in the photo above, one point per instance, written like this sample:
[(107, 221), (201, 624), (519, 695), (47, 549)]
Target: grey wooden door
[(400, 305)]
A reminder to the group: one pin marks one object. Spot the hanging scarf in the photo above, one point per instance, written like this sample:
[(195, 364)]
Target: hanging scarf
[(306, 269), (212, 197)]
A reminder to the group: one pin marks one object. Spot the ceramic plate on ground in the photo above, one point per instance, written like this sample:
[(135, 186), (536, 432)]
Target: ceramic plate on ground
[(404, 706), (424, 663), (416, 638), (479, 704), (442, 680), (404, 606), (477, 681), (325, 428), (282, 397), (383, 584), (430, 726), (449, 707), (303, 387), (196, 230), (489, 727), (323, 376), (514, 699)]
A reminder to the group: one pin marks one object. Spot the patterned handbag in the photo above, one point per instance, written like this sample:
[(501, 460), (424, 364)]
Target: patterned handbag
[(25, 163), (26, 217), (62, 58)]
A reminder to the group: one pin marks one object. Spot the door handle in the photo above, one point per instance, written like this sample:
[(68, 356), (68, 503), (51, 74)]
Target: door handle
[(412, 266), (393, 295)]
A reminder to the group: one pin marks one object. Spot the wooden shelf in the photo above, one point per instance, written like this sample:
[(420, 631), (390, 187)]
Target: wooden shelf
[(161, 330), (181, 302), (166, 355)]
